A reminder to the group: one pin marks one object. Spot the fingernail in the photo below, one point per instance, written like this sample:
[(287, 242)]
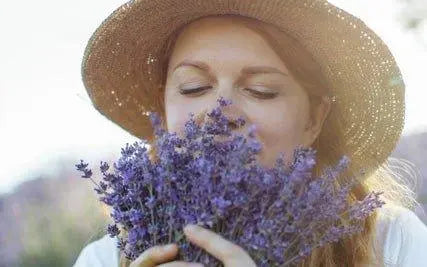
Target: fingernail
[(190, 228), (169, 247)]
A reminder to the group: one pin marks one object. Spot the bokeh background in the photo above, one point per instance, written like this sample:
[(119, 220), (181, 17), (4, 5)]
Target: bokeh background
[(47, 123)]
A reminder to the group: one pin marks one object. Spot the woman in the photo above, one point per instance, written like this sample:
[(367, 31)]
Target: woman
[(305, 72)]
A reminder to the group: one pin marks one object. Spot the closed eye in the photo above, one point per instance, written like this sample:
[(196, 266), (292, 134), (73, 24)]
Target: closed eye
[(194, 90), (262, 95)]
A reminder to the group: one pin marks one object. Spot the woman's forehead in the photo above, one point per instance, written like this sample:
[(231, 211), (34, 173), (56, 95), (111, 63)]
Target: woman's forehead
[(223, 44)]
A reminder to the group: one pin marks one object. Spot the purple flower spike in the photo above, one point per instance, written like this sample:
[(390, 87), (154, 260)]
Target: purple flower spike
[(278, 215)]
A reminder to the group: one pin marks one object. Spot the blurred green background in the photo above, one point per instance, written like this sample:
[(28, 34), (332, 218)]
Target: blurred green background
[(48, 220)]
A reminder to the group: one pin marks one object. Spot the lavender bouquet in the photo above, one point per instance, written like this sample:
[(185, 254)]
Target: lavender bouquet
[(278, 215)]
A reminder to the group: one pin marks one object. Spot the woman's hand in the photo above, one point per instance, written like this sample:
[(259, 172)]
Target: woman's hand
[(227, 252), (230, 254), (160, 254)]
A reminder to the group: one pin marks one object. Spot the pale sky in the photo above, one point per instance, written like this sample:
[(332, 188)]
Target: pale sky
[(45, 113)]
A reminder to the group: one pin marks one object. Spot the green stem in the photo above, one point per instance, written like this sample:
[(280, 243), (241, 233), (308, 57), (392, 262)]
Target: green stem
[(152, 215), (198, 255)]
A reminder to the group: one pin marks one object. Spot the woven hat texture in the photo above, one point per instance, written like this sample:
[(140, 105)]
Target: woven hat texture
[(121, 61)]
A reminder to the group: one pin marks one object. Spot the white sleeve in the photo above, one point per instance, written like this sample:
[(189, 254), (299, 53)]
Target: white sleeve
[(406, 241), (100, 253)]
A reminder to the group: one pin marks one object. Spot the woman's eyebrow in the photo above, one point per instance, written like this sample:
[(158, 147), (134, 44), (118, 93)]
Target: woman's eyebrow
[(193, 63), (248, 70)]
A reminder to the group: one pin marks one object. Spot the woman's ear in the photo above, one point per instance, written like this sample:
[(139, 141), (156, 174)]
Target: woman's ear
[(319, 113)]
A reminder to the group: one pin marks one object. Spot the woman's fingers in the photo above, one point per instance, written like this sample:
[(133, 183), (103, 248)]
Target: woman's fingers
[(222, 249), (181, 264), (155, 255)]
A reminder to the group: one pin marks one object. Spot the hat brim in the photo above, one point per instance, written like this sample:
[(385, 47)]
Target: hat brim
[(122, 54)]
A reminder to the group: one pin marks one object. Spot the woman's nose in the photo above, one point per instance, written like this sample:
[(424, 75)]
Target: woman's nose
[(233, 112)]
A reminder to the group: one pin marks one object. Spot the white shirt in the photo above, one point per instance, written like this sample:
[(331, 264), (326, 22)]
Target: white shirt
[(401, 236)]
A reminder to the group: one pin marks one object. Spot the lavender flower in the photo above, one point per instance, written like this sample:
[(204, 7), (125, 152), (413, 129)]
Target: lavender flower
[(279, 215)]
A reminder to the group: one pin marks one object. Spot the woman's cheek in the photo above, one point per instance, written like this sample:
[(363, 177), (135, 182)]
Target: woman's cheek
[(278, 136)]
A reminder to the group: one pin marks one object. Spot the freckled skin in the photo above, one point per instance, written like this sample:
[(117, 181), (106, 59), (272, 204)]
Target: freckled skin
[(226, 46)]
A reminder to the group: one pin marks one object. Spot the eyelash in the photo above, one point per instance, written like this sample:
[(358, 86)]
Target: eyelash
[(199, 89)]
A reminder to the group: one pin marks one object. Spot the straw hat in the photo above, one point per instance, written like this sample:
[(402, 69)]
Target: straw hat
[(122, 56)]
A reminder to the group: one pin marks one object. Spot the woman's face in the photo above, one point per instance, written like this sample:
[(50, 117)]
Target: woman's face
[(217, 56)]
